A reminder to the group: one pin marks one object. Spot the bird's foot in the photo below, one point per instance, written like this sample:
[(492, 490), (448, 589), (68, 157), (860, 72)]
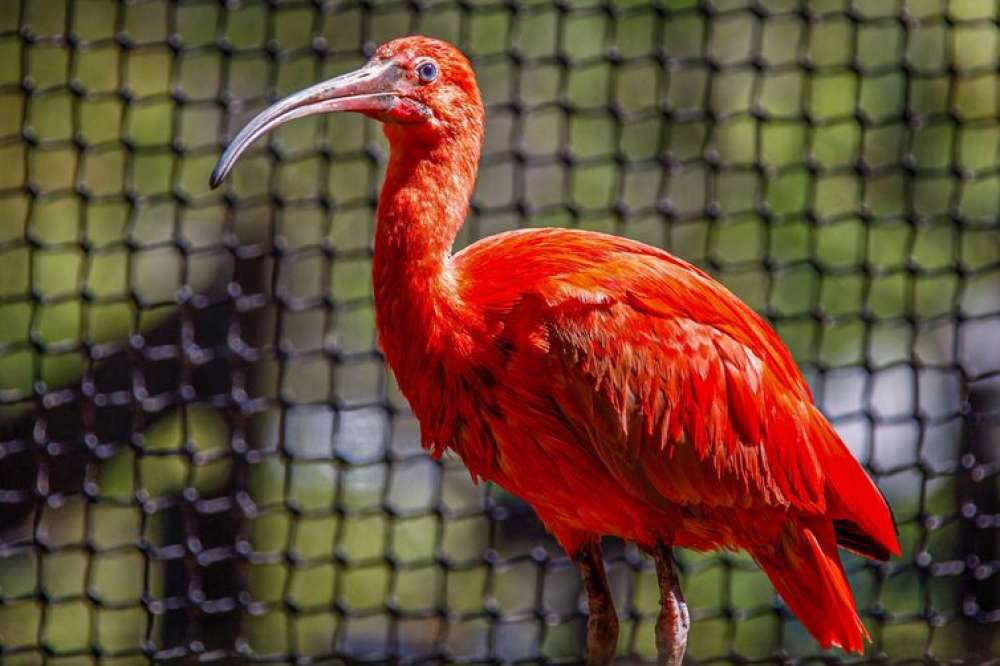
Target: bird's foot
[(674, 621), (602, 620)]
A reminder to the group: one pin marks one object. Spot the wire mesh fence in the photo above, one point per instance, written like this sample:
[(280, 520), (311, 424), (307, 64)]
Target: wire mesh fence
[(202, 454)]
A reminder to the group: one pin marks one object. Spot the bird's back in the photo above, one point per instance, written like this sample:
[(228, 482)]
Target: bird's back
[(562, 266)]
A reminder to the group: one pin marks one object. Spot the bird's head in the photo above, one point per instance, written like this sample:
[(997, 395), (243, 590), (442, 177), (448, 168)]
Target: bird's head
[(422, 89)]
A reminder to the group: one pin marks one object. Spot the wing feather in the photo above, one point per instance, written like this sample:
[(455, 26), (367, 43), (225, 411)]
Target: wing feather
[(707, 433)]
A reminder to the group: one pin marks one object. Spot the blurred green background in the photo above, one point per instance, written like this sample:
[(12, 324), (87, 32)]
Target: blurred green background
[(201, 452)]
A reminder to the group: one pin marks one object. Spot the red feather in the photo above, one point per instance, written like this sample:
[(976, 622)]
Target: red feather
[(614, 387)]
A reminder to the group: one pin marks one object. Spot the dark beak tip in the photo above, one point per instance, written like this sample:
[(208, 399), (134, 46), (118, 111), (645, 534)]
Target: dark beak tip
[(216, 178)]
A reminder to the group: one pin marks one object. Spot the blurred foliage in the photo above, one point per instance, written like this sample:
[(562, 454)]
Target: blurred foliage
[(779, 167)]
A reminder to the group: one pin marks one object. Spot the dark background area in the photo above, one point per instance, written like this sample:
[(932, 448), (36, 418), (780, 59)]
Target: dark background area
[(202, 454)]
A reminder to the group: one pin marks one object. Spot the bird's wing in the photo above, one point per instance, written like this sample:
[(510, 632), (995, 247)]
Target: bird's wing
[(667, 400), (673, 382)]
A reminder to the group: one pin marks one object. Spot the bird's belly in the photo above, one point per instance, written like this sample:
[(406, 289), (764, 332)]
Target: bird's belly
[(570, 489), (575, 493), (575, 499)]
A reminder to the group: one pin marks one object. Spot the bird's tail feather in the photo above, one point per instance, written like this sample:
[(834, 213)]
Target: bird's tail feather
[(862, 518), (806, 571)]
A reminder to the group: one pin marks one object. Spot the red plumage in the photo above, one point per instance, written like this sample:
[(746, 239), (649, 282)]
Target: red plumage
[(617, 389), (631, 394)]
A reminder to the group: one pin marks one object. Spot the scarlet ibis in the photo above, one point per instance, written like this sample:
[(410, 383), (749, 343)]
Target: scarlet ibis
[(614, 387)]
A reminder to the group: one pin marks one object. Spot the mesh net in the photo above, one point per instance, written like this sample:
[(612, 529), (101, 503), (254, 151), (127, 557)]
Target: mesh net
[(202, 454)]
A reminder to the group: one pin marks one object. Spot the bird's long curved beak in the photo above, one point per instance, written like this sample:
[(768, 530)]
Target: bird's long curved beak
[(370, 90)]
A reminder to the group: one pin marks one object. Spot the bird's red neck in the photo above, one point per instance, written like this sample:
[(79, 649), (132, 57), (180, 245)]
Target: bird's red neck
[(422, 207)]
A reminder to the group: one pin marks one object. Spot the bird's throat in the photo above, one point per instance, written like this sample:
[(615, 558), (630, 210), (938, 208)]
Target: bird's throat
[(421, 209)]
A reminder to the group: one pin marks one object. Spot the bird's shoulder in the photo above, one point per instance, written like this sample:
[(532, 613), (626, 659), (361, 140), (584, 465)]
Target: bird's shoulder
[(598, 287), (532, 257), (563, 267)]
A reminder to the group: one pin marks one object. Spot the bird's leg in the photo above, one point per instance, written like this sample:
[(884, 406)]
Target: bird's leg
[(674, 620), (602, 621)]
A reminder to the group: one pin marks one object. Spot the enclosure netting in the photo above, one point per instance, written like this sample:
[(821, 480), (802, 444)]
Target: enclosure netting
[(202, 453)]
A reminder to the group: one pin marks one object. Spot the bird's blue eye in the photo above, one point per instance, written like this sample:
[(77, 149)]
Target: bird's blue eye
[(427, 71)]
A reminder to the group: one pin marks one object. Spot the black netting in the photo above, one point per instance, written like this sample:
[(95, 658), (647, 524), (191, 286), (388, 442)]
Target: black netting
[(202, 454)]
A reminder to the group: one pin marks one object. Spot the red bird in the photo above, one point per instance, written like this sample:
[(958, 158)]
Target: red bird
[(615, 388)]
